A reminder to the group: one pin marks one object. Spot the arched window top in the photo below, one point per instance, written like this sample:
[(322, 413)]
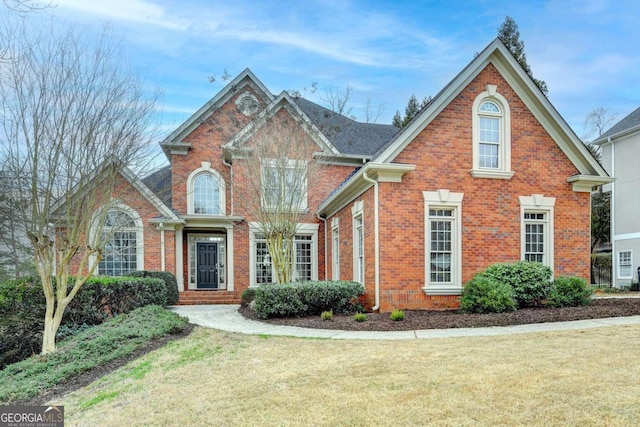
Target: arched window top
[(120, 219), (489, 107), (205, 191)]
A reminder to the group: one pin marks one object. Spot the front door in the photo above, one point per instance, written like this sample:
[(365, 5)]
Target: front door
[(207, 266)]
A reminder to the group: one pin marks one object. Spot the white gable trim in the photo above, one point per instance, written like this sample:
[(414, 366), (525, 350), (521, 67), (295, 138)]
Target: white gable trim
[(498, 55), (282, 101), (220, 98)]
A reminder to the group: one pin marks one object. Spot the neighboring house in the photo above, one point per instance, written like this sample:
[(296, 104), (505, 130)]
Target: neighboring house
[(488, 172), (620, 147)]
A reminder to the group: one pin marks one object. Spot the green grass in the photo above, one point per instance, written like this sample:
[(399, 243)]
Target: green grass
[(116, 338)]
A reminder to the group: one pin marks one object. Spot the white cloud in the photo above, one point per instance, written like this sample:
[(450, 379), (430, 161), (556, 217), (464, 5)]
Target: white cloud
[(139, 11)]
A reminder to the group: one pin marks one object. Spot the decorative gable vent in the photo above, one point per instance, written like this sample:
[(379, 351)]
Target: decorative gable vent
[(247, 104)]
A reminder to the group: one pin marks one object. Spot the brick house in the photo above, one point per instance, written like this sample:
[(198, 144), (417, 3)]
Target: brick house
[(488, 172)]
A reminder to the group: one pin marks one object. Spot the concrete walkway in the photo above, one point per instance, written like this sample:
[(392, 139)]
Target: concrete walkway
[(227, 318)]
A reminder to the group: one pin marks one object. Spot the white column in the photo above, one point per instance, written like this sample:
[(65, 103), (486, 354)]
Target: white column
[(230, 258), (179, 260)]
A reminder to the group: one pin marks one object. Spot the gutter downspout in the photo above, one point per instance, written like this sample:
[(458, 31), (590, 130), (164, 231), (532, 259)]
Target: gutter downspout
[(376, 237), (612, 231), (230, 166), (326, 268)]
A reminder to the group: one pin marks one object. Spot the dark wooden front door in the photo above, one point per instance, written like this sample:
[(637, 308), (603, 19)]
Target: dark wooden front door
[(207, 266)]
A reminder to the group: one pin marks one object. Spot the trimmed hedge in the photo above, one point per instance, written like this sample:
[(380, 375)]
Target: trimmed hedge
[(569, 292), (306, 298), (169, 280), (483, 294), (530, 281), (22, 309)]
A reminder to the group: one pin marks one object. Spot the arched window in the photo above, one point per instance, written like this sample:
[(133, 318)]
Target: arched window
[(490, 118), (121, 253), (205, 191), (491, 136), (206, 194)]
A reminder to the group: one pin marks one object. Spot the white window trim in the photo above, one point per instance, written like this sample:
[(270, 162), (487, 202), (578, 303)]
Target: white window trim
[(304, 229), (618, 264), (357, 211), (206, 169), (537, 203), (335, 248), (504, 152), (447, 200), (139, 234), (293, 164)]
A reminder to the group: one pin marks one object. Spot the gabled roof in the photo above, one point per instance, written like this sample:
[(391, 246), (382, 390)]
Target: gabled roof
[(244, 78), (626, 126), (498, 55), (159, 182), (348, 136), (282, 101)]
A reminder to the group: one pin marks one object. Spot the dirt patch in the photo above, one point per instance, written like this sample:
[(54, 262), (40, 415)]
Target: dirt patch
[(416, 320)]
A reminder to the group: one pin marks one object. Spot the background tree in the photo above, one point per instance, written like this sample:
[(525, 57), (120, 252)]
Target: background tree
[(278, 164), (596, 123), (509, 35), (71, 117), (412, 109)]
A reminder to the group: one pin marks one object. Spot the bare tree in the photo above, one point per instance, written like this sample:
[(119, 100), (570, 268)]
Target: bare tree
[(372, 113), (338, 101), (597, 122), (276, 159), (72, 117)]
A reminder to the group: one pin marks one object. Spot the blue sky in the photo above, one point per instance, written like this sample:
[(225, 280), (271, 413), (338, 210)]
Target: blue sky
[(588, 51)]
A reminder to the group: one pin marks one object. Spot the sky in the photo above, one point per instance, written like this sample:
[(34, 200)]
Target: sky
[(587, 51)]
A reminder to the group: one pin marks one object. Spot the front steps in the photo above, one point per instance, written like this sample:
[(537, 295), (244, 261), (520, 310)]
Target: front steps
[(207, 297)]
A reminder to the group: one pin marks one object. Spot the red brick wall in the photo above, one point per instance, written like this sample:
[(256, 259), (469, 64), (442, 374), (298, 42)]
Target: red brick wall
[(129, 196), (490, 208), (206, 142)]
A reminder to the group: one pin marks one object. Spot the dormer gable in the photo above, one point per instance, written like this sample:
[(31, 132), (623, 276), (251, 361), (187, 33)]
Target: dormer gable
[(250, 92)]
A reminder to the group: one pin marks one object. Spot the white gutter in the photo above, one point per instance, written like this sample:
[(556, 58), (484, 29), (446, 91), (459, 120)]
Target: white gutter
[(376, 237), (612, 220)]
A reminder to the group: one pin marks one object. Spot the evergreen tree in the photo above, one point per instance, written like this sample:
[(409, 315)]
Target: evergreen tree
[(412, 109), (510, 36)]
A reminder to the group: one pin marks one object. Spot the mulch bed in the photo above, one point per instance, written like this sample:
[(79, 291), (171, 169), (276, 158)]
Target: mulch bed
[(416, 320)]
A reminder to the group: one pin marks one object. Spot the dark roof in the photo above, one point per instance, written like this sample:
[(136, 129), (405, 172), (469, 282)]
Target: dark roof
[(159, 182), (348, 136), (631, 121)]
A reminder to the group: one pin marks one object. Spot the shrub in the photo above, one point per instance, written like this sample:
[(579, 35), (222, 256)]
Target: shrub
[(326, 315), (360, 317), (169, 280), (248, 295), (569, 292), (397, 315), (484, 294), (530, 281), (306, 298)]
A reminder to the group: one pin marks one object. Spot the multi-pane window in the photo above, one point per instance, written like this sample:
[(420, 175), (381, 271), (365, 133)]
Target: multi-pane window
[(441, 222), (534, 236), (625, 271), (120, 255), (489, 127), (302, 262), (336, 253), (263, 270), (206, 195), (358, 248), (284, 185)]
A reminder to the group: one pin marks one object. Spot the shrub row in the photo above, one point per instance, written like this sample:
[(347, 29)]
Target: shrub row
[(509, 286), (22, 309), (306, 298)]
